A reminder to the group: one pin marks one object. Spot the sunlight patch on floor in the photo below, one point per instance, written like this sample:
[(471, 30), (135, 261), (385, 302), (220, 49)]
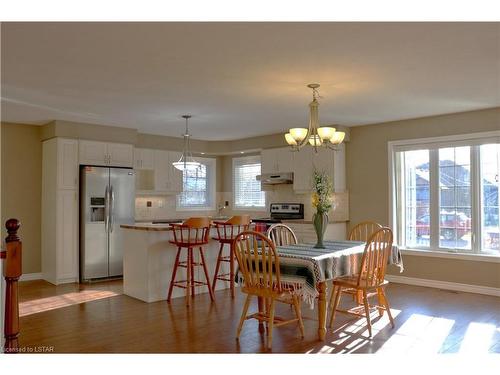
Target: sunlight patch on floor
[(478, 338), (63, 300), (419, 334)]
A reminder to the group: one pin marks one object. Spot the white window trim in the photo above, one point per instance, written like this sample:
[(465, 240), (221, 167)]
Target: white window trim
[(251, 158), (212, 177), (433, 143)]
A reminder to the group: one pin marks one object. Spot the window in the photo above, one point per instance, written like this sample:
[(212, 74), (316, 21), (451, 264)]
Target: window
[(246, 187), (490, 190), (198, 187), (445, 193)]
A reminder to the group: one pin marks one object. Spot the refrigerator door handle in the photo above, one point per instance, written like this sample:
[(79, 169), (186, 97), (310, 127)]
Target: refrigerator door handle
[(112, 208), (106, 209)]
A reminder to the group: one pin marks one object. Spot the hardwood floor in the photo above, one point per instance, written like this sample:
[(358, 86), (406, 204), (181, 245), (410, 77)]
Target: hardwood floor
[(98, 318)]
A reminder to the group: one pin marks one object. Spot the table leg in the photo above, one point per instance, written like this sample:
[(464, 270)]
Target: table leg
[(261, 310), (321, 287)]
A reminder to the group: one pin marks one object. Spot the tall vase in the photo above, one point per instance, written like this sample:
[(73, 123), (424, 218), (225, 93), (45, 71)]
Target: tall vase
[(320, 222)]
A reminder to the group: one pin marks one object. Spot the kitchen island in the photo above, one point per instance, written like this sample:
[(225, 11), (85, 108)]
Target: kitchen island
[(148, 261)]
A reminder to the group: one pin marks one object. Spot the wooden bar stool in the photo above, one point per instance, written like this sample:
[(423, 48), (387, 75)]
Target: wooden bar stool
[(193, 233), (226, 233)]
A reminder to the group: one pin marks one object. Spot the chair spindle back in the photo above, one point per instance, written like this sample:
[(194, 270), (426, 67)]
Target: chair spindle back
[(363, 231), (258, 262), (281, 235), (375, 256)]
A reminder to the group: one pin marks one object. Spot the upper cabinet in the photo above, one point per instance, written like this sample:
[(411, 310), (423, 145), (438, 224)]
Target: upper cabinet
[(143, 158), (168, 179), (302, 163), (106, 154), (67, 163), (276, 160)]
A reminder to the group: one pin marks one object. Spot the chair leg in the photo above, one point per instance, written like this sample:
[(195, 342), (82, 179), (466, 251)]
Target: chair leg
[(359, 297), (335, 304), (271, 324), (380, 298), (387, 307), (243, 315), (231, 269), (210, 290), (332, 297), (217, 266), (188, 276), (367, 312), (296, 304), (193, 289), (174, 272)]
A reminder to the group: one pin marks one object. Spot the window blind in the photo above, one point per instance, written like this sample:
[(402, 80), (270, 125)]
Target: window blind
[(247, 190)]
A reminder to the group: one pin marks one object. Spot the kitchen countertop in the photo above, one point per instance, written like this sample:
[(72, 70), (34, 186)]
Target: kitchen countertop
[(301, 221), (147, 226)]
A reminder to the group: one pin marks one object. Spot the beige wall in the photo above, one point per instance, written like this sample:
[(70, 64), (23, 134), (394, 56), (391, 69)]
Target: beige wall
[(368, 184), (22, 188)]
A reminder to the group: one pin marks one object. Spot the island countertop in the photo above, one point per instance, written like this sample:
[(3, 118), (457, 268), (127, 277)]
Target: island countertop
[(148, 226)]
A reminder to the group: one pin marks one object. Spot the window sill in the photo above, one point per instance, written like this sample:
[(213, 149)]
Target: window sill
[(450, 255)]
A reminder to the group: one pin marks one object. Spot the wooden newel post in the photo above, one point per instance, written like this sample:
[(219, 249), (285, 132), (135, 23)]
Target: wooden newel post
[(12, 270)]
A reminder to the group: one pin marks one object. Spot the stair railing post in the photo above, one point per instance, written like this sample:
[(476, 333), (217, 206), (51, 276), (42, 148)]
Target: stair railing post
[(12, 270)]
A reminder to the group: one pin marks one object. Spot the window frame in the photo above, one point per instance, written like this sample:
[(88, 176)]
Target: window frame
[(211, 166), (235, 162), (433, 144)]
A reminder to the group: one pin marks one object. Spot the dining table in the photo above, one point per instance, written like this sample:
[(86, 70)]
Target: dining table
[(307, 270)]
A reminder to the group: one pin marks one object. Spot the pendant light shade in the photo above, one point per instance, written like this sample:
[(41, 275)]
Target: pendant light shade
[(186, 162), (314, 135)]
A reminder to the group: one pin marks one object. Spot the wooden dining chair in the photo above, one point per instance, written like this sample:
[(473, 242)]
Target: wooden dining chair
[(370, 279), (191, 234), (226, 233), (281, 235), (362, 232), (260, 268)]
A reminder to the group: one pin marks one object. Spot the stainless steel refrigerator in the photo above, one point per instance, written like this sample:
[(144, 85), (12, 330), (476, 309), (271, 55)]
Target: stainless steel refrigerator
[(107, 199)]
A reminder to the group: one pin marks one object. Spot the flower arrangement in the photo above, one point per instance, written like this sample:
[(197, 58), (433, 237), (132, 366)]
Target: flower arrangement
[(322, 194)]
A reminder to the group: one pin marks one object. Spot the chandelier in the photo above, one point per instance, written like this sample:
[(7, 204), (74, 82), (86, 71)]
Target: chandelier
[(316, 136), (186, 162)]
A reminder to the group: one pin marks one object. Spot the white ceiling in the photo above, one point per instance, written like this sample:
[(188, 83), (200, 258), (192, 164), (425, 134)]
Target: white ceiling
[(244, 79)]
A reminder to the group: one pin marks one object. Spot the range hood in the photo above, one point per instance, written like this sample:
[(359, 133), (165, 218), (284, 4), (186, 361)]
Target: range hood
[(276, 178)]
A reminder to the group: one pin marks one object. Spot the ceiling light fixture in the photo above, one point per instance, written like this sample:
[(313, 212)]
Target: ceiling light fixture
[(315, 135), (186, 162)]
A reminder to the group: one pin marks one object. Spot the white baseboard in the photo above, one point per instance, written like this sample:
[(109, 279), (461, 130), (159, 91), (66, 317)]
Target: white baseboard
[(31, 276), (469, 288)]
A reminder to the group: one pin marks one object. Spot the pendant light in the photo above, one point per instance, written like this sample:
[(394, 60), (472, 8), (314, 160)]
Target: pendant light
[(186, 162), (314, 135)]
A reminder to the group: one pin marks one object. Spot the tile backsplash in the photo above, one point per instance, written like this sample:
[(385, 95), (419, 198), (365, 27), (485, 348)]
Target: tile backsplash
[(164, 207)]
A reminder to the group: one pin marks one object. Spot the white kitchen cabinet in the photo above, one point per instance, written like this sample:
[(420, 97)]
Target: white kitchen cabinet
[(60, 210), (306, 161), (302, 170), (168, 179), (143, 158), (67, 235), (276, 160), (120, 155), (67, 163), (106, 154)]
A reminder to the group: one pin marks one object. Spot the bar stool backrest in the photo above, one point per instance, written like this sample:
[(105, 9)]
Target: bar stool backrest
[(229, 229), (192, 232)]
